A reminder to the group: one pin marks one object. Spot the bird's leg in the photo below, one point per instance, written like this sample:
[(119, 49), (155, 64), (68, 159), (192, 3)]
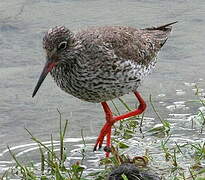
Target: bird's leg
[(106, 128), (110, 120), (142, 106)]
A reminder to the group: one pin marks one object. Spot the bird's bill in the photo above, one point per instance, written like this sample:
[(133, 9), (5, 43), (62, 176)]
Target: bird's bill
[(47, 68)]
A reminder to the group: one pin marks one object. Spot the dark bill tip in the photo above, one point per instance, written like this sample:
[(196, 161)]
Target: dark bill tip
[(47, 68)]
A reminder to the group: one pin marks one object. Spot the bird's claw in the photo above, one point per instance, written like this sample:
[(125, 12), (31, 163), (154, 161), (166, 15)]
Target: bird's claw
[(98, 145), (95, 147)]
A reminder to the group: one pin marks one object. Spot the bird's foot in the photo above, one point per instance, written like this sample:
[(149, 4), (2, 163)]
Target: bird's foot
[(110, 120), (105, 131)]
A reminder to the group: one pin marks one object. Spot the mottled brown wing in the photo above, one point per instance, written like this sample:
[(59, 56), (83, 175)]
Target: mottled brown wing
[(133, 44), (139, 45)]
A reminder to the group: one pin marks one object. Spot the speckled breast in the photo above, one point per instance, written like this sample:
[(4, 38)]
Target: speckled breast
[(101, 83)]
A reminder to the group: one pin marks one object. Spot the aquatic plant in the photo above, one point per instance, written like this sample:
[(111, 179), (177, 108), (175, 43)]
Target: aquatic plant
[(181, 161)]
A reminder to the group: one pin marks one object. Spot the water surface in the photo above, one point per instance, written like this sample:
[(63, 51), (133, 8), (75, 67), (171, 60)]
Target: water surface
[(22, 26)]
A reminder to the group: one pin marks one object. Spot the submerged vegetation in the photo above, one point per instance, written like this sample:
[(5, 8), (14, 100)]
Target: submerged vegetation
[(178, 160)]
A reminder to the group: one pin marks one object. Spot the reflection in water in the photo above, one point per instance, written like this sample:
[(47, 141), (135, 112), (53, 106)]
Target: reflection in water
[(172, 85)]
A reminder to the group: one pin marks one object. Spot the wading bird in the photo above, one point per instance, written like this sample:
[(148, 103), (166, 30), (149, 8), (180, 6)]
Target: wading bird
[(102, 63)]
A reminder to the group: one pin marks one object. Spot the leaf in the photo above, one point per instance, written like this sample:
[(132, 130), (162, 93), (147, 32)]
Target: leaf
[(122, 145), (76, 168), (124, 177), (157, 128)]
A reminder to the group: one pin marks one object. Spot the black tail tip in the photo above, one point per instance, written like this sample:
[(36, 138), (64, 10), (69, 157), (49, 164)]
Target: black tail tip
[(163, 27)]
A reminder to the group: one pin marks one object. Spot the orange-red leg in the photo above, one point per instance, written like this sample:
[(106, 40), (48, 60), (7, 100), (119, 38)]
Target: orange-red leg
[(110, 120)]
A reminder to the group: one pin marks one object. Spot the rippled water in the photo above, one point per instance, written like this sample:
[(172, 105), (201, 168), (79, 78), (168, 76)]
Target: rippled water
[(22, 24)]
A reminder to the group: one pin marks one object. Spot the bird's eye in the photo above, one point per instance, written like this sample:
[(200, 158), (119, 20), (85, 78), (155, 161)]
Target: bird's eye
[(62, 45)]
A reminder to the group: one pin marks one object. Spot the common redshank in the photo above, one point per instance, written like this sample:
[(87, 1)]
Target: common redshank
[(102, 63)]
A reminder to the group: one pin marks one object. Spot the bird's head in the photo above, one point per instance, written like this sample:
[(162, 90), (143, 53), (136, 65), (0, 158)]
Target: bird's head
[(56, 43)]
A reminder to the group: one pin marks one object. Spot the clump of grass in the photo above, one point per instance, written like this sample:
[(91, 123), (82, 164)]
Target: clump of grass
[(52, 163), (199, 117), (164, 127), (127, 127), (180, 166)]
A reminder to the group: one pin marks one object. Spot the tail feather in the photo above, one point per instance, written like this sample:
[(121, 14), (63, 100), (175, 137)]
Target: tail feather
[(160, 33), (163, 27)]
